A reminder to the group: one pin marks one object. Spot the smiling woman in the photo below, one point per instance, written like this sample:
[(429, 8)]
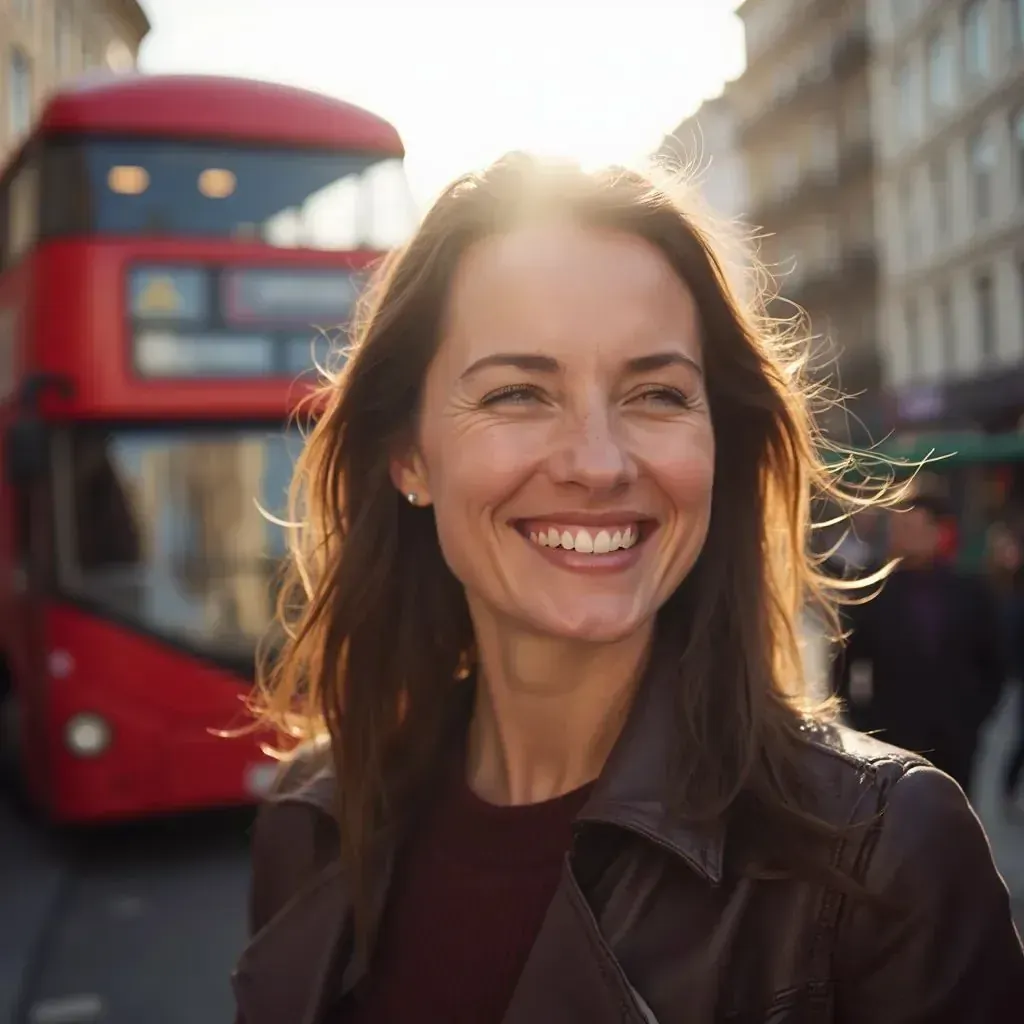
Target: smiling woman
[(552, 759), (567, 394)]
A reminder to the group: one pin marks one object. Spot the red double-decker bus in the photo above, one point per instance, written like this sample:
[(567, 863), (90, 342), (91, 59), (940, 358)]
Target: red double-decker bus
[(169, 245)]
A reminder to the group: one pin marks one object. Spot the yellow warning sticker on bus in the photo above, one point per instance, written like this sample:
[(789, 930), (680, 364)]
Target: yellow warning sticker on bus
[(159, 296), (169, 293)]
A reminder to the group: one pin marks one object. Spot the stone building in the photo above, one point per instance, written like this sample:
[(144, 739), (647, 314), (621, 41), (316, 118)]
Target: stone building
[(948, 88), (804, 128), (46, 42), (704, 144)]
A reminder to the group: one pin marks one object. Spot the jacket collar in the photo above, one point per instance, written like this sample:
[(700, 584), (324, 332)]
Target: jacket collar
[(632, 793), (634, 790)]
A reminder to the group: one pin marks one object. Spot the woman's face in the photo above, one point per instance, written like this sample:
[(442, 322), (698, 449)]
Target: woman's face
[(564, 439)]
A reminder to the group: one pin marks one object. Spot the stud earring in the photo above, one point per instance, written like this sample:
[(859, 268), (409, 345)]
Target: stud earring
[(411, 497)]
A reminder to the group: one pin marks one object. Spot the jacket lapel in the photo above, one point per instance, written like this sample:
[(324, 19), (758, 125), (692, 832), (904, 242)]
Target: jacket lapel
[(633, 791), (571, 976), (284, 973)]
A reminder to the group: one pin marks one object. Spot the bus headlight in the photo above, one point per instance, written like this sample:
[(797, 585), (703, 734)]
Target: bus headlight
[(87, 735)]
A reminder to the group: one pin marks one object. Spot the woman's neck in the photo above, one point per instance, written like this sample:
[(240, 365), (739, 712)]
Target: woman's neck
[(547, 712)]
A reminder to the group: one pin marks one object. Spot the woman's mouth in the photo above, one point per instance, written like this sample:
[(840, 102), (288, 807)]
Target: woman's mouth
[(587, 540), (610, 542)]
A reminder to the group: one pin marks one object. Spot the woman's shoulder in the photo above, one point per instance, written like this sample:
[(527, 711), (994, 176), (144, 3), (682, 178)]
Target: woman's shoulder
[(306, 777), (921, 832), (295, 837), (937, 929), (846, 771)]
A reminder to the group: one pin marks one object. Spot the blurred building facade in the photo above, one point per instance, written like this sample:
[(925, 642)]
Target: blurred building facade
[(948, 88), (804, 130), (46, 42), (705, 146)]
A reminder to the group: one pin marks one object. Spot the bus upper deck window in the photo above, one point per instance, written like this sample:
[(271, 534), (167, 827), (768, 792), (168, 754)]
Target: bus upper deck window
[(128, 180), (217, 183)]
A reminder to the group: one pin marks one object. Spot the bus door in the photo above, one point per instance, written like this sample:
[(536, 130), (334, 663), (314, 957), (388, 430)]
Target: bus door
[(28, 482)]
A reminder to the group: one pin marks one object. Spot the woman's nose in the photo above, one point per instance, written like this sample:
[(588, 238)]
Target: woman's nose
[(593, 453)]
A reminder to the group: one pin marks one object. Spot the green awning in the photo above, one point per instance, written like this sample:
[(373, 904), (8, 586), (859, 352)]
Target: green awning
[(940, 450), (957, 448)]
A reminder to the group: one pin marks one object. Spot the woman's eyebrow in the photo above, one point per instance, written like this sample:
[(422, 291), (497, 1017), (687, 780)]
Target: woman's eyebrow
[(546, 364)]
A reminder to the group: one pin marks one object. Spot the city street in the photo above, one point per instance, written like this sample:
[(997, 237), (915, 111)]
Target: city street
[(132, 924), (144, 923)]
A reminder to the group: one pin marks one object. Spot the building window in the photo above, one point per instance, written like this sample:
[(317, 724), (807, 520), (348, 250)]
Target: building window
[(911, 224), (1020, 284), (825, 147), (20, 89), (117, 57), (785, 171), (63, 33), (912, 332), (856, 114), (1015, 17), (23, 213), (906, 90), (941, 70), (977, 41), (982, 159), (92, 53), (985, 312), (947, 334), (938, 175), (1018, 150), (901, 13)]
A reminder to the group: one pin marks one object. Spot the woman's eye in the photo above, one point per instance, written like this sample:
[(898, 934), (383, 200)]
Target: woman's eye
[(664, 395), (512, 394)]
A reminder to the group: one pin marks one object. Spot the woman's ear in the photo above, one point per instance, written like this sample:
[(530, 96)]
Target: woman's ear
[(409, 475)]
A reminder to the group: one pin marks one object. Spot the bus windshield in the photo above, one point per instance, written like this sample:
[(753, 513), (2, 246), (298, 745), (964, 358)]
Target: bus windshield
[(166, 529), (288, 198)]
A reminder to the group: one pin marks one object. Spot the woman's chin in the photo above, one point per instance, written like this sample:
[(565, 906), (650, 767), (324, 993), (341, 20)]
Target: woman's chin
[(589, 628)]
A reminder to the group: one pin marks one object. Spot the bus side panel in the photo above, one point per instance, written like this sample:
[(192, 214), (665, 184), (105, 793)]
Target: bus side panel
[(163, 707)]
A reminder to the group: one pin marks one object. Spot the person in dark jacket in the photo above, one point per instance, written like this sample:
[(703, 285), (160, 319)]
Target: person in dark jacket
[(555, 763), (925, 661)]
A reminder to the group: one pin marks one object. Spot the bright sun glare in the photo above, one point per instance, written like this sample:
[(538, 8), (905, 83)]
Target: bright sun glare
[(466, 82)]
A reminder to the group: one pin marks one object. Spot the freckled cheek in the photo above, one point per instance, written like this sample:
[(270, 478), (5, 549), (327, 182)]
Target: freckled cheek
[(687, 478)]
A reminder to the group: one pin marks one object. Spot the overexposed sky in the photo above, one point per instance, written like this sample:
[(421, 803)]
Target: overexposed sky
[(465, 82)]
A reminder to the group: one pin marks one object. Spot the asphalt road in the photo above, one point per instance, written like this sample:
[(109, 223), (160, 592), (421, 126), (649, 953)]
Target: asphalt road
[(142, 924), (124, 926)]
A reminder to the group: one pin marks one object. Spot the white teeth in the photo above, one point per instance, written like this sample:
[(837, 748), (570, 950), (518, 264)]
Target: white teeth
[(586, 543)]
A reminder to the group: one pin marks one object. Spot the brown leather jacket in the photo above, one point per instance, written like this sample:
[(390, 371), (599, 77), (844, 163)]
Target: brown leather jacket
[(669, 932)]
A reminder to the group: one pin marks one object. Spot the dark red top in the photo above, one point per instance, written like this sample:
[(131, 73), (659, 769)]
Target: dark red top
[(469, 896)]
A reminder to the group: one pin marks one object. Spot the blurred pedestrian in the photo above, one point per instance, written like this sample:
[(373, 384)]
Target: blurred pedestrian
[(1004, 562), (925, 661), (548, 665)]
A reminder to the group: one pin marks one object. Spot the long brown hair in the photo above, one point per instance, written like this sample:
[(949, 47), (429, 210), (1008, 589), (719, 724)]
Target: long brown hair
[(377, 628)]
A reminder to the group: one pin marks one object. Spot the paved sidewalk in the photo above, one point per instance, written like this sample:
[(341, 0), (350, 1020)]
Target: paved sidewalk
[(1006, 837)]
